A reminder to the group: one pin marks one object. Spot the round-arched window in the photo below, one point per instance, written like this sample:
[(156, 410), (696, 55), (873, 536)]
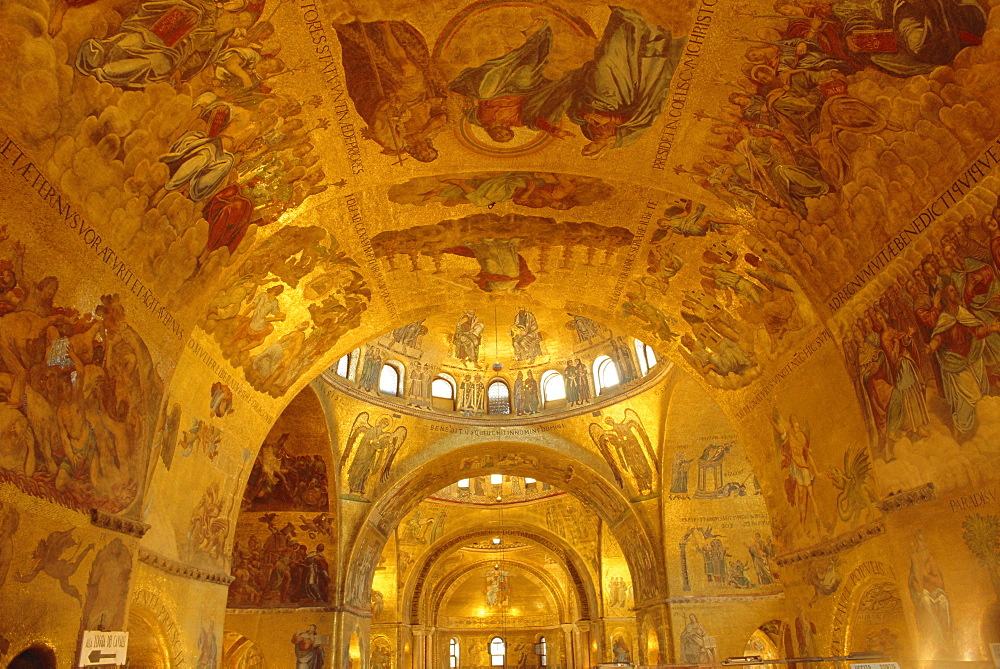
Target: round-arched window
[(388, 380), (498, 652), (344, 366), (499, 397), (443, 388), (553, 387), (605, 373), (647, 358), (542, 651)]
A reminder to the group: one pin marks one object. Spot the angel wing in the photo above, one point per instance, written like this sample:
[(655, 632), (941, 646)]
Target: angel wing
[(360, 424), (398, 437), (219, 526), (857, 467), (599, 436), (635, 425), (768, 279)]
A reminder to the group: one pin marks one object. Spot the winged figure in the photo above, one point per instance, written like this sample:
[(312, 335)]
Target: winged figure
[(626, 447), (320, 524), (854, 481), (209, 525), (824, 580), (376, 447), (793, 439), (52, 555), (603, 440)]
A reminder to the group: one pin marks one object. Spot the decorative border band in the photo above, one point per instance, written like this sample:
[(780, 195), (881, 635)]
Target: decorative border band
[(281, 609), (109, 521), (836, 545), (183, 570), (904, 499), (708, 599)]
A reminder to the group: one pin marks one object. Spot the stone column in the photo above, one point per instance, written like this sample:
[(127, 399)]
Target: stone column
[(568, 654), (430, 659), (583, 644), (418, 647)]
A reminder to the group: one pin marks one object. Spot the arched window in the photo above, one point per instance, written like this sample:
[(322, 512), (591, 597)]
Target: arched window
[(553, 387), (443, 387), (650, 357), (388, 380), (352, 365), (453, 653), (605, 373), (647, 358), (499, 397), (640, 352), (498, 652), (344, 366), (541, 650)]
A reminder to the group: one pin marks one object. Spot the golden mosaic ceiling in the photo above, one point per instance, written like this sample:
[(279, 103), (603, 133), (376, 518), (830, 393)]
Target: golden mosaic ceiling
[(364, 164), (494, 490), (239, 193), (207, 204)]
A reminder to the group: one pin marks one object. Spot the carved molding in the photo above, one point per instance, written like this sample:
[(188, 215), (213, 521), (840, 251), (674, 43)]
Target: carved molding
[(282, 609), (109, 521), (708, 599), (904, 499), (497, 621), (836, 545), (176, 568)]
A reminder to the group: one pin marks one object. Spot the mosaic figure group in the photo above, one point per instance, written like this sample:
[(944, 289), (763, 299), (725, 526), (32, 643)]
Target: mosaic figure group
[(934, 331), (472, 400), (613, 98), (281, 571), (79, 393), (527, 396), (280, 481), (420, 376), (785, 129), (579, 386)]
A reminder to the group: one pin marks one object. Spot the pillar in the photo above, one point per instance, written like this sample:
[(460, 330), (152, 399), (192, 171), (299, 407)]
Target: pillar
[(430, 658), (569, 661), (418, 647)]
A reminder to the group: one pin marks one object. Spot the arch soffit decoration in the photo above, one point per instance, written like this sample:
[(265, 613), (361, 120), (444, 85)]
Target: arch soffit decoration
[(590, 488), (454, 580), (854, 587), (427, 471), (568, 557)]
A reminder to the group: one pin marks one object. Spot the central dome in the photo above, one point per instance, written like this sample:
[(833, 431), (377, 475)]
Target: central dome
[(505, 362)]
